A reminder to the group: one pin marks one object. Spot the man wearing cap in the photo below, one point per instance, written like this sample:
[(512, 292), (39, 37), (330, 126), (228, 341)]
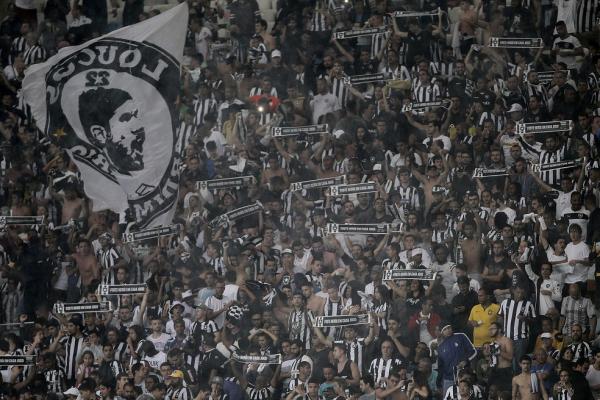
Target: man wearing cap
[(177, 309), (454, 351), (176, 390), (72, 394)]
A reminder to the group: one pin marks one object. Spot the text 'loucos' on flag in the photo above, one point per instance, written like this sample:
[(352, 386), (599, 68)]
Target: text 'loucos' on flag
[(110, 103)]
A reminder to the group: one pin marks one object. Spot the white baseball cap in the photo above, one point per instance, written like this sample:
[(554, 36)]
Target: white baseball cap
[(72, 392)]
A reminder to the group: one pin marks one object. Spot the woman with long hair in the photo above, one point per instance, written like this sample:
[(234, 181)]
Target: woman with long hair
[(381, 306), (563, 389)]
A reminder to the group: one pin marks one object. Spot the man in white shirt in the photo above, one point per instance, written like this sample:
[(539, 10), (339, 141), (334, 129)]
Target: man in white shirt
[(577, 214), (323, 102), (218, 304), (566, 47), (578, 255)]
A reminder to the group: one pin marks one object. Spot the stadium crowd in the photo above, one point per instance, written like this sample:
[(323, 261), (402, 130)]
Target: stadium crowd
[(462, 192)]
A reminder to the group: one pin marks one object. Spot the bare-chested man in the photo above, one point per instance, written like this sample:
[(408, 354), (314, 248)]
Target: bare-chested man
[(72, 205), (86, 262), (432, 178), (528, 385), (314, 303), (501, 355), (471, 247)]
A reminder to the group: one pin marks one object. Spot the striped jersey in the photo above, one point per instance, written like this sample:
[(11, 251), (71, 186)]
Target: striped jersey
[(514, 327)]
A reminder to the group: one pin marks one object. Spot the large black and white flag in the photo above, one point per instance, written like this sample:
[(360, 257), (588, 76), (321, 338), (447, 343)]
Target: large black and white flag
[(110, 103)]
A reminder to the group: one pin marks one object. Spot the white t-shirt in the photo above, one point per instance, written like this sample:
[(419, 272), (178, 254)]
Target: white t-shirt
[(156, 360), (159, 342), (322, 104), (563, 201), (568, 43), (579, 217), (26, 4), (579, 251), (593, 378), (216, 304), (510, 213), (566, 11), (202, 39)]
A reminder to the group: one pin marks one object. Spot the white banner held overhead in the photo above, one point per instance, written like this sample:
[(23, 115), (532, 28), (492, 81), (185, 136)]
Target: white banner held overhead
[(412, 274), (106, 290), (423, 105), (516, 43), (412, 14), (334, 321), (151, 233), (558, 165), (17, 360), (82, 308), (489, 172), (354, 33), (544, 127), (249, 359), (278, 131), (20, 220), (316, 184), (225, 183), (111, 104), (357, 229), (365, 78), (352, 188)]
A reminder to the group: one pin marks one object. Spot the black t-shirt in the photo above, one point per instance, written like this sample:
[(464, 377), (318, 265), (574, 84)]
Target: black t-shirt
[(418, 45)]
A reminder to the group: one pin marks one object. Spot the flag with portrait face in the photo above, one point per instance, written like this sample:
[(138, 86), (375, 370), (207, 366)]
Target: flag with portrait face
[(111, 104)]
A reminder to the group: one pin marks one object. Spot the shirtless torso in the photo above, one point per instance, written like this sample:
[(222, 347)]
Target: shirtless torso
[(71, 209), (471, 249), (522, 389), (88, 268), (315, 304)]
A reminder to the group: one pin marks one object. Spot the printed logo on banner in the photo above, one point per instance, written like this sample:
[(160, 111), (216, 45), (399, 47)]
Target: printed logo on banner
[(98, 108)]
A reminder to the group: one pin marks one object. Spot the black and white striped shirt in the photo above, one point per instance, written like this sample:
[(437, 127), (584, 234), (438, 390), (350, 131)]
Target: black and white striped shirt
[(333, 308), (319, 22), (587, 12), (218, 265), (551, 177), (259, 394), (514, 327), (452, 393), (73, 349), (203, 107), (257, 91), (19, 45), (581, 350), (400, 72), (423, 93), (185, 132), (55, 380), (340, 91), (120, 350), (380, 369), (108, 259), (378, 42), (199, 328), (299, 325), (33, 55), (182, 393)]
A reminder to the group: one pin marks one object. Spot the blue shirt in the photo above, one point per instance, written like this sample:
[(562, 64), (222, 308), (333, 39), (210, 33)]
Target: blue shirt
[(452, 351)]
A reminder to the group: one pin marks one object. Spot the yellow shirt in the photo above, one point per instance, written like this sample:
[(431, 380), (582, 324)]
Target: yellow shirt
[(485, 317)]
